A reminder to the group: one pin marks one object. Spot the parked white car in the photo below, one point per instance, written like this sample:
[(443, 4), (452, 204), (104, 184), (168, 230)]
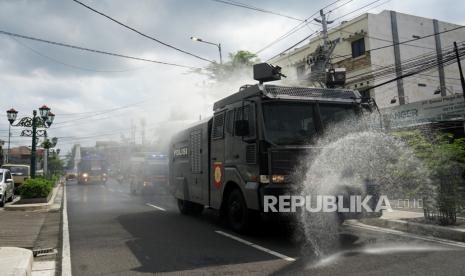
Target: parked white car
[(7, 187)]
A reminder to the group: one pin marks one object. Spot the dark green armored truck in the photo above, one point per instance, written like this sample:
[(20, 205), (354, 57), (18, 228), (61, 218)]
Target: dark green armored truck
[(251, 145)]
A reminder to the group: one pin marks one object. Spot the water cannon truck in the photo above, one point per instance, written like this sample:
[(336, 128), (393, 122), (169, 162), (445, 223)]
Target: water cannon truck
[(252, 144)]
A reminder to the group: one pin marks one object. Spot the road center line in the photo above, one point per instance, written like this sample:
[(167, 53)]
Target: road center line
[(66, 253), (256, 246), (156, 207), (404, 234)]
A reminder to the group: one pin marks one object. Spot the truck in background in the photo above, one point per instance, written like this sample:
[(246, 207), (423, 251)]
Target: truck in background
[(92, 168), (148, 172)]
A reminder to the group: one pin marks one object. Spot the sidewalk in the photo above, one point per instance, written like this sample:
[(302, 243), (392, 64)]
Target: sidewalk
[(36, 230), (413, 222)]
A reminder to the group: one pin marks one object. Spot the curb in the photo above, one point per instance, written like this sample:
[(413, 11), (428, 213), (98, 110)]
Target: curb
[(454, 234), (16, 261), (36, 206)]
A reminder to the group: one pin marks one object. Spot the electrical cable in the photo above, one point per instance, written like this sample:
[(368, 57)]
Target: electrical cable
[(140, 33), (246, 6), (94, 50)]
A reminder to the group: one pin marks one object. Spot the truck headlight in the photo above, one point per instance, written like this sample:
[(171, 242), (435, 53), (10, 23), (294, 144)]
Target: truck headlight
[(264, 179), (275, 178), (85, 175)]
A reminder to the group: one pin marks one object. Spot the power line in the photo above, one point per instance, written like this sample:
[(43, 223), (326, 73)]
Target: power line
[(447, 59), (93, 50), (369, 4), (102, 112), (250, 7), (68, 64), (296, 28), (407, 41), (407, 65), (294, 45), (140, 33)]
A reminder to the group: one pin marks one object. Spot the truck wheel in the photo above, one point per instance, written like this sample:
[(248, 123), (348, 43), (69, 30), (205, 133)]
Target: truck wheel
[(240, 218), (189, 208), (2, 202)]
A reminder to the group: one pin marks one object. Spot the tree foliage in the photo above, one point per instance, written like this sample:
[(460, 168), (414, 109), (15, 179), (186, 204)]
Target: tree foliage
[(444, 157), (238, 63)]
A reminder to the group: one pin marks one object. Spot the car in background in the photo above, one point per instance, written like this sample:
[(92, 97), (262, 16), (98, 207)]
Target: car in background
[(71, 175), (6, 187), (19, 172)]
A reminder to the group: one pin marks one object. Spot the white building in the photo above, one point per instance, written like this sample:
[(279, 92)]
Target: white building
[(371, 31)]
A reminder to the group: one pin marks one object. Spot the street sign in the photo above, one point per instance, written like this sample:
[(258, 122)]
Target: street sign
[(447, 108)]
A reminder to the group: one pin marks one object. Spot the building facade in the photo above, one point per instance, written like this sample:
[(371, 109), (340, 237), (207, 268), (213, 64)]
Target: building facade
[(368, 44)]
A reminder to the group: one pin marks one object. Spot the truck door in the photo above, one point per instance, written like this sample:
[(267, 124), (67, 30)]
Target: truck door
[(217, 159)]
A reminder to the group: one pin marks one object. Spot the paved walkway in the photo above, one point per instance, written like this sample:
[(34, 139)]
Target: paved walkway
[(19, 228)]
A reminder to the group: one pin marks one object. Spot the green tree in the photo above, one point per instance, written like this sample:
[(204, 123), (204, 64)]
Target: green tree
[(444, 157), (239, 63), (56, 165)]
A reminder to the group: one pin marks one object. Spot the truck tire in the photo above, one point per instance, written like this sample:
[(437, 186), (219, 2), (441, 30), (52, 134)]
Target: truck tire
[(189, 208), (239, 217)]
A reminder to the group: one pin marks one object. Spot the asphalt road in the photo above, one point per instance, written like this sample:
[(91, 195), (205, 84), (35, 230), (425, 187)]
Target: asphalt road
[(115, 233)]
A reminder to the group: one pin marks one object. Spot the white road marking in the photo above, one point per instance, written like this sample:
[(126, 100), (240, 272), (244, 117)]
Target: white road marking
[(404, 234), (256, 246), (66, 253), (156, 207)]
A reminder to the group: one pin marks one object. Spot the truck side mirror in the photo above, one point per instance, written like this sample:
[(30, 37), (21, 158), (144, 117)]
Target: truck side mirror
[(241, 127)]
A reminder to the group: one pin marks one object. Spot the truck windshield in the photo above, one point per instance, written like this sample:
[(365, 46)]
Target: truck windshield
[(297, 123)]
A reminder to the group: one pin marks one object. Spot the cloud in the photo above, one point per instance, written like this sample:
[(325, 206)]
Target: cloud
[(72, 82)]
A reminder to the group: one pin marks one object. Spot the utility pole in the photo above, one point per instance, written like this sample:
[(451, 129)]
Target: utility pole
[(319, 59), (462, 80), (133, 133), (324, 24), (142, 132)]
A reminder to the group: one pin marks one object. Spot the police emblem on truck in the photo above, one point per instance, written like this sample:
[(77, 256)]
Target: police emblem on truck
[(217, 174)]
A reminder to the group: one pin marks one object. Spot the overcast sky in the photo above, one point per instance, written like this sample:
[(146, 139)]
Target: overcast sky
[(78, 85)]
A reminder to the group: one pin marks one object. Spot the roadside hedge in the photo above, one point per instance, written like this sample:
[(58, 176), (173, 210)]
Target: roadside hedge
[(35, 188)]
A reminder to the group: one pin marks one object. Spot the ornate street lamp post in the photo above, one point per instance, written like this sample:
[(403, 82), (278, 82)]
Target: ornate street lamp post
[(44, 120)]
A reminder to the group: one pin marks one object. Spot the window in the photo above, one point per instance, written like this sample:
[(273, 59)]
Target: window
[(230, 122), (358, 47), (247, 113), (289, 123), (218, 126), (332, 114), (300, 71)]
